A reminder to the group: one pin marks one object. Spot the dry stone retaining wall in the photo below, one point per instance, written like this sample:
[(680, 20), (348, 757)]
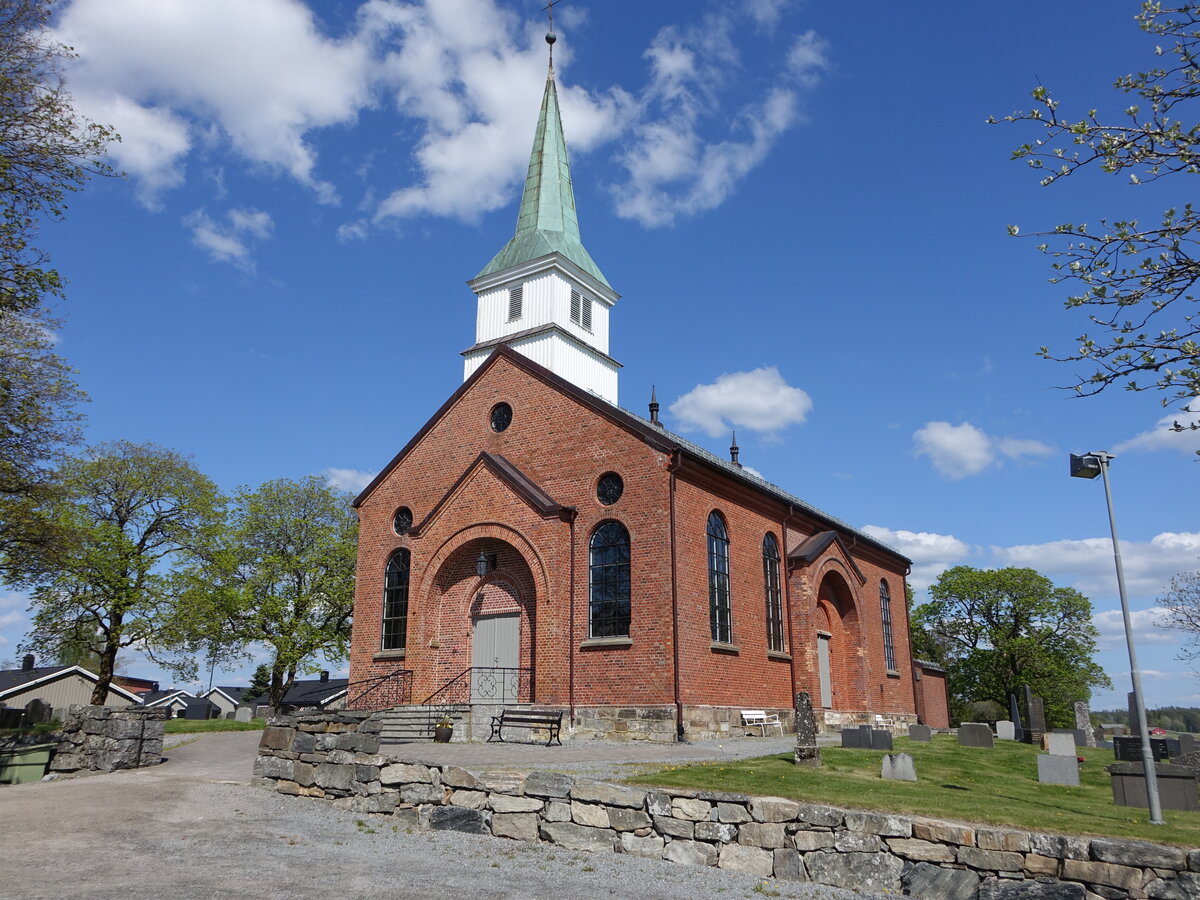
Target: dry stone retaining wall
[(334, 757), (101, 739)]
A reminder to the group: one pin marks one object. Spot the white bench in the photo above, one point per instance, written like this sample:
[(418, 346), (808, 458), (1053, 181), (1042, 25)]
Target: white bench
[(761, 719)]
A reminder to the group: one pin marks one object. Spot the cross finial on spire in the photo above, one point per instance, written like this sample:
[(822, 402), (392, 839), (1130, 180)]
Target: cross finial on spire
[(733, 452), (654, 407), (550, 36)]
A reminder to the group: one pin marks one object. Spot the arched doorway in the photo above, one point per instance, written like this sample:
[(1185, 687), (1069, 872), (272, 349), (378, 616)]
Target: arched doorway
[(839, 646), (485, 626)]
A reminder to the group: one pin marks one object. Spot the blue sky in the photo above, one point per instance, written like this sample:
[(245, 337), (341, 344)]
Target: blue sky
[(803, 209)]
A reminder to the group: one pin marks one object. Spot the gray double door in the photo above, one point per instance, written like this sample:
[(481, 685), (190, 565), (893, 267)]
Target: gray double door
[(495, 656)]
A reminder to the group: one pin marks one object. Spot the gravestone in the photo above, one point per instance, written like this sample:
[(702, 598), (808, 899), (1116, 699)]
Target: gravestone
[(807, 752), (243, 714), (1176, 785), (1128, 748), (975, 734), (1006, 730), (1083, 723), (920, 733), (1135, 726), (1057, 769), (37, 712), (1187, 744), (1036, 718), (1060, 744), (1015, 710), (898, 767), (853, 738), (881, 739)]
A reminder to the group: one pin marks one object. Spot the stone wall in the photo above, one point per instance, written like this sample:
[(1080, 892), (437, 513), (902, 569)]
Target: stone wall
[(334, 757), (101, 739)]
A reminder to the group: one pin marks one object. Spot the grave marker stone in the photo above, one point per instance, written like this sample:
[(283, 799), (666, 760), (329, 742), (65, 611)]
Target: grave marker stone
[(1006, 730), (243, 714), (807, 753), (1083, 723), (1134, 723), (898, 767), (1057, 769), (37, 712), (1059, 744), (1187, 744), (881, 739), (919, 733), (853, 738), (1015, 710), (975, 734), (1037, 717)]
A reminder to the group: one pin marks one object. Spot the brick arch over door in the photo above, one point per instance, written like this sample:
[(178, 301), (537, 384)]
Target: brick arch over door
[(457, 599), (837, 610)]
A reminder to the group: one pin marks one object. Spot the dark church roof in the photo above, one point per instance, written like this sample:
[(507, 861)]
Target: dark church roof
[(653, 434), (314, 692)]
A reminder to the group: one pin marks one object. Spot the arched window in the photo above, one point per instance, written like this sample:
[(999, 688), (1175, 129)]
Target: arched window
[(395, 602), (719, 616), (885, 611), (609, 579), (774, 601)]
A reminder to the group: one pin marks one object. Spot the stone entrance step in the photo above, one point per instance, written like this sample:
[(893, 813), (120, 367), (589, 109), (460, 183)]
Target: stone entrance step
[(415, 722)]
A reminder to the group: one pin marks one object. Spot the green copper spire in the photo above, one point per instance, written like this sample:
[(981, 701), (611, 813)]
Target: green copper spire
[(546, 223)]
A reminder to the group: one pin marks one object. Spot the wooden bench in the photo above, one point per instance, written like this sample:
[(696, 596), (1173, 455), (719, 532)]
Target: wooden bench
[(761, 719), (550, 719)]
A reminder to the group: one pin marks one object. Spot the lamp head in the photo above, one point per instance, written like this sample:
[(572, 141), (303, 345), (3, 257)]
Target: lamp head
[(481, 564), (1085, 466)]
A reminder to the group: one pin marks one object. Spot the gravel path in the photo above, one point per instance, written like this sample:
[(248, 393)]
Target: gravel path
[(194, 828)]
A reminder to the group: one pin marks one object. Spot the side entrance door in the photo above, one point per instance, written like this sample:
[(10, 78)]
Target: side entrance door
[(823, 670), (495, 656)]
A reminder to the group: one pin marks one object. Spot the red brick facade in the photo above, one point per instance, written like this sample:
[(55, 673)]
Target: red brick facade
[(932, 693), (528, 496)]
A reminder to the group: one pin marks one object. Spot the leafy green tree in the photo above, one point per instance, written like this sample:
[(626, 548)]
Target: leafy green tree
[(260, 682), (1135, 281), (1181, 603), (282, 575), (47, 149), (125, 515), (1004, 628), (39, 419)]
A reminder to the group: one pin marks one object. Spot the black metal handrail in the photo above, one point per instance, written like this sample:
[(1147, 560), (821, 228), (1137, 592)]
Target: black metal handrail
[(484, 684), (386, 691)]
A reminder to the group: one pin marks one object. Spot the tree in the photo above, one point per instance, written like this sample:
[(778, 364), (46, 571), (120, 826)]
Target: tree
[(1181, 603), (1004, 628), (124, 516), (260, 682), (1136, 282), (46, 149), (282, 575), (39, 419)]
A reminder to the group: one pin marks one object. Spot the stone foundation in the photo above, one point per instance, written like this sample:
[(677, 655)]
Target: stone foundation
[(333, 757), (100, 739), (831, 721)]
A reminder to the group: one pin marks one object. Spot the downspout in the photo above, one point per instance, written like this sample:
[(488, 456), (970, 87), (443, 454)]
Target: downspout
[(676, 462), (787, 597), (571, 634)]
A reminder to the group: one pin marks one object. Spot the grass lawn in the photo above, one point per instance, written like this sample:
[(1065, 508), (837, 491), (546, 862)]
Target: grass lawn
[(191, 726), (996, 786)]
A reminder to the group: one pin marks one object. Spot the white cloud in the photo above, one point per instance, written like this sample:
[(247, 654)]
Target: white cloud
[(230, 242), (352, 480), (161, 71), (1089, 565), (766, 13), (758, 400), (957, 451), (1147, 628), (931, 553), (13, 599), (674, 169), (1164, 436), (11, 618)]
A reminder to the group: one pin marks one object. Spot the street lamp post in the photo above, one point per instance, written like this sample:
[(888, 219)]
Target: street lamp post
[(1089, 466)]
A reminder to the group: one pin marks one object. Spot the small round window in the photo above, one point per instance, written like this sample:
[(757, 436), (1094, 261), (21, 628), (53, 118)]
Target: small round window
[(501, 416), (402, 521), (609, 488)]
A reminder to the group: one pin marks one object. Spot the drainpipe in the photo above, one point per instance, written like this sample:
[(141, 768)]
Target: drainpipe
[(571, 634), (673, 468), (787, 597)]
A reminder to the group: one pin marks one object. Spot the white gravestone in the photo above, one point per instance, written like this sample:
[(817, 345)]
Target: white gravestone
[(898, 767), (1058, 744), (1006, 730)]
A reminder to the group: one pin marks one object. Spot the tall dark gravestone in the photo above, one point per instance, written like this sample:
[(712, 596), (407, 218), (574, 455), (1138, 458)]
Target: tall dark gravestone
[(1134, 726), (807, 751), (1014, 710), (1035, 717)]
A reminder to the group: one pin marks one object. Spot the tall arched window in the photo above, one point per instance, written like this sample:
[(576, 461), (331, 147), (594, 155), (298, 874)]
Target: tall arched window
[(885, 611), (719, 616), (609, 580), (395, 602), (774, 601)]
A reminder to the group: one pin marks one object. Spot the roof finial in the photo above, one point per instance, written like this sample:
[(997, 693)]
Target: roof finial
[(654, 408), (733, 452), (550, 36)]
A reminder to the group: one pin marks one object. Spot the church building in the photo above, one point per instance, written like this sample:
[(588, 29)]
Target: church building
[(535, 543)]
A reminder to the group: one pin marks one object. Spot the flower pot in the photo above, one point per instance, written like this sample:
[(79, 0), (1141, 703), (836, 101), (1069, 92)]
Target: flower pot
[(441, 733)]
